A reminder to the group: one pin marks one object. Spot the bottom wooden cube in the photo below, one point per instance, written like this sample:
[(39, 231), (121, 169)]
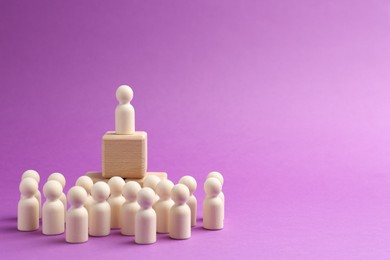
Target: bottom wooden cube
[(97, 176)]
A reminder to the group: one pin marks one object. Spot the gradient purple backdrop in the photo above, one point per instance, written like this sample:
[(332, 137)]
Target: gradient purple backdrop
[(288, 99)]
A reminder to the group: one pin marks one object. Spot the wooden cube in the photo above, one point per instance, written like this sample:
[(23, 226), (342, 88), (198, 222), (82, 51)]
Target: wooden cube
[(124, 155), (97, 176)]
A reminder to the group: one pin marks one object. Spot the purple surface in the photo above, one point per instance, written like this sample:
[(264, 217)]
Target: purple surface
[(288, 99)]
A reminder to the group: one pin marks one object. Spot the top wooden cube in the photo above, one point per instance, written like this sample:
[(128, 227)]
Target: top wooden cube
[(124, 155)]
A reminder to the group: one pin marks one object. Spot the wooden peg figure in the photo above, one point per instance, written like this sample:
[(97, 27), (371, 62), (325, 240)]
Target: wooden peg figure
[(99, 217), (35, 175), (77, 216), (213, 206), (151, 181), (124, 112), (145, 219), (61, 179), (86, 183), (219, 176), (116, 199), (180, 214), (163, 205), (129, 208), (53, 209), (191, 184), (28, 206)]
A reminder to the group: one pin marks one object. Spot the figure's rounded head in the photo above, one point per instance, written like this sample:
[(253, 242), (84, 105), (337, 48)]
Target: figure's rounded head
[(28, 187), (151, 181), (164, 189), (52, 190), (145, 197), (32, 174), (116, 185), (130, 190), (190, 182), (57, 177), (100, 191), (212, 187), (77, 196), (85, 182), (217, 175), (124, 94), (180, 193)]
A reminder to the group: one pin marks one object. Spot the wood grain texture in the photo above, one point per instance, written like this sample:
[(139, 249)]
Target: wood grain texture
[(124, 155)]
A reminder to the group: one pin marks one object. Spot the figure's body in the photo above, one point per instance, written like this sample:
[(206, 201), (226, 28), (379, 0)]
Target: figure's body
[(53, 209), (87, 183), (124, 112), (116, 199), (77, 216), (191, 184), (99, 217), (130, 208), (180, 213), (163, 205), (213, 206), (28, 206), (145, 219), (35, 175)]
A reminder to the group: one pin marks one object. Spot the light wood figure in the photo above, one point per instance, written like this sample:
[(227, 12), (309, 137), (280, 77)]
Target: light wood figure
[(35, 175), (53, 209), (145, 219), (213, 206), (99, 217), (77, 216), (129, 208), (28, 206), (124, 155), (163, 205), (219, 176), (124, 112), (151, 181), (191, 184), (180, 214), (86, 183), (116, 200), (61, 179)]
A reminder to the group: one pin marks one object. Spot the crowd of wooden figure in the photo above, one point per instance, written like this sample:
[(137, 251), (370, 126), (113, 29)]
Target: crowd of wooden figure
[(95, 209)]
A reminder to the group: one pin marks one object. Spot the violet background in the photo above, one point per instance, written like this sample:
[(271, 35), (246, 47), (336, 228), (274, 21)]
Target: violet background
[(288, 99)]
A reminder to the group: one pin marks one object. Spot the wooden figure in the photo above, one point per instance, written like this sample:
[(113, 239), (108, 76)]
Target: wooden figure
[(116, 199), (145, 219), (77, 216), (191, 184), (129, 208), (99, 217), (86, 183), (28, 206), (180, 214), (53, 209), (151, 181), (163, 205), (213, 205), (61, 179), (219, 176), (35, 175), (124, 112)]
